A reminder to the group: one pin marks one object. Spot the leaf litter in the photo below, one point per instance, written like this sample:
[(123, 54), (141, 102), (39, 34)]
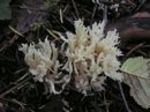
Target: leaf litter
[(29, 96)]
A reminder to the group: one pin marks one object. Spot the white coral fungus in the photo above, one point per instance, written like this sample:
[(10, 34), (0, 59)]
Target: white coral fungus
[(91, 53), (43, 63)]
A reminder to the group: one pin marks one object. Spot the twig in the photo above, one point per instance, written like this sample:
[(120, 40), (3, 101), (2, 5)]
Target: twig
[(140, 5), (61, 15), (10, 42), (75, 8), (104, 22), (13, 88), (93, 13), (123, 97), (10, 90), (103, 2), (134, 49), (106, 103)]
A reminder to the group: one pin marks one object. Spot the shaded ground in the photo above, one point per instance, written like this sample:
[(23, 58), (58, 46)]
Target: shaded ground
[(31, 19)]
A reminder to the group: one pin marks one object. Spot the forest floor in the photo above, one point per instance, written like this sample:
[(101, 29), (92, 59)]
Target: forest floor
[(31, 20)]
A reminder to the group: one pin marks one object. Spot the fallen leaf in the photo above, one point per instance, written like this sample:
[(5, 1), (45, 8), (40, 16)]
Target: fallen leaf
[(32, 12), (138, 67), (137, 76), (5, 11)]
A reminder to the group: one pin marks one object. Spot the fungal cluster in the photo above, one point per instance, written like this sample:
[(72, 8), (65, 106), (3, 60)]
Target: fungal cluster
[(91, 57)]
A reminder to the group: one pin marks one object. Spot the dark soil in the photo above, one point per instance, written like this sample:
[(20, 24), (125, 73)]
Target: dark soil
[(20, 93)]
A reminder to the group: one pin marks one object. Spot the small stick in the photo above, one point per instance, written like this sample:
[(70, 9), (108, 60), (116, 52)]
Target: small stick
[(123, 97), (14, 87), (134, 49), (75, 8), (94, 12), (105, 19)]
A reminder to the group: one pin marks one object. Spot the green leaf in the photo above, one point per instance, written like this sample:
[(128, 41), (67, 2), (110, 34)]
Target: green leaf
[(5, 11), (138, 67), (137, 76)]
